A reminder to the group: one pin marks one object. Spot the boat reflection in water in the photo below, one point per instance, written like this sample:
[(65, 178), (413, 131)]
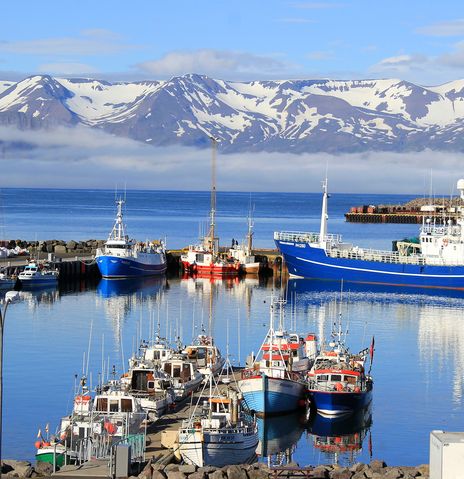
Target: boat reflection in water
[(278, 437), (341, 438), (120, 297), (301, 286)]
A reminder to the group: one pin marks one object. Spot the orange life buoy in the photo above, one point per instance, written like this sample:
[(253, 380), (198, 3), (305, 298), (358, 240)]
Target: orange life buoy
[(445, 242), (339, 386)]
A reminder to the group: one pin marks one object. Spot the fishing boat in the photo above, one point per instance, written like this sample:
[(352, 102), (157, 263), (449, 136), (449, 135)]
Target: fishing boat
[(38, 274), (437, 261), (273, 382), (206, 355), (7, 281), (219, 432), (96, 422), (243, 253), (122, 257), (204, 258), (152, 387), (337, 382), (184, 375)]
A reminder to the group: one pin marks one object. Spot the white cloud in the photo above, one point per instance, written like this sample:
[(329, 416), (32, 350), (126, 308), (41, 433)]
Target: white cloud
[(82, 157), (455, 58), (214, 63), (89, 42), (444, 29)]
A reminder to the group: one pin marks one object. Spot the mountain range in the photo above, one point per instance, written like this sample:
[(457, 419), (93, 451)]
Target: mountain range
[(291, 116)]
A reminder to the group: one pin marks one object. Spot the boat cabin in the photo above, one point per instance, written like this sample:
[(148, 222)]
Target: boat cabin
[(148, 380)]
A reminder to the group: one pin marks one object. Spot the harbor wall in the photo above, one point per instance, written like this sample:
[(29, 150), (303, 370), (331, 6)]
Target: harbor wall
[(74, 259)]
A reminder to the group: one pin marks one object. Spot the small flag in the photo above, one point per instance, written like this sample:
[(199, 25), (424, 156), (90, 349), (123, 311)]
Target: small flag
[(39, 434), (46, 428), (371, 349)]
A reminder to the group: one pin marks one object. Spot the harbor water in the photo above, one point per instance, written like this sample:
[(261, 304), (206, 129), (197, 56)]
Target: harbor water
[(419, 356)]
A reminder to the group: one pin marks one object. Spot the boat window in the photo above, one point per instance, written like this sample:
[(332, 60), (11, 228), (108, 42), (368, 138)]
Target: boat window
[(126, 405), (102, 404), (156, 355), (114, 405), (350, 379), (151, 385), (176, 372), (322, 377), (167, 368), (336, 377)]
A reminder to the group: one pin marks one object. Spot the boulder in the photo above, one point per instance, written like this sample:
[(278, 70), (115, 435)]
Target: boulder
[(393, 473), (340, 473), (43, 468), (359, 466), (197, 475), (18, 468), (71, 245), (358, 475), (59, 249), (187, 468), (218, 474), (376, 465), (257, 474), (176, 475), (207, 469), (423, 469), (157, 474), (235, 472)]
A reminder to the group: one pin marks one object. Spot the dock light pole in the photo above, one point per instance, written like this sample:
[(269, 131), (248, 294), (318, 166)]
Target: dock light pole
[(10, 297)]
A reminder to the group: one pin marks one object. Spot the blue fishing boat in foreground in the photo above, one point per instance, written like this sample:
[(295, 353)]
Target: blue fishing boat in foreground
[(337, 381), (274, 382), (437, 260), (122, 257)]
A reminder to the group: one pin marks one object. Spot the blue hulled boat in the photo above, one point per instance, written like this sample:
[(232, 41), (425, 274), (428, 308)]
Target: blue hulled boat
[(274, 383), (436, 261), (122, 257), (337, 381)]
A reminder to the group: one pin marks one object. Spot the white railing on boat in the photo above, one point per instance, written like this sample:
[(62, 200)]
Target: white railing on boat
[(305, 237), (376, 255)]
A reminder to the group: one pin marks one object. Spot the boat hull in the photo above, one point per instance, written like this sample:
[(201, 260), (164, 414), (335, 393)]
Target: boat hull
[(210, 269), (49, 456), (307, 261), (337, 403), (219, 449), (114, 267), (266, 395)]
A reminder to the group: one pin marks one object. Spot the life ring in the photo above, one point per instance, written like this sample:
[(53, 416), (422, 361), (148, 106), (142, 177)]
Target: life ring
[(445, 242), (197, 425), (338, 386)]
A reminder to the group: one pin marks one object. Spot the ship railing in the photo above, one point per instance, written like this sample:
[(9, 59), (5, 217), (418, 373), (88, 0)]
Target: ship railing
[(306, 237), (376, 255), (270, 372)]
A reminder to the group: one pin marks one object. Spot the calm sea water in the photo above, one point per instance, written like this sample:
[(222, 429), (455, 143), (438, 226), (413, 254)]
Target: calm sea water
[(419, 360)]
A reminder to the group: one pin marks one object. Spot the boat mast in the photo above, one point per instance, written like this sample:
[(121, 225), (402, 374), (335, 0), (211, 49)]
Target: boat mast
[(250, 233), (211, 240), (118, 233), (324, 216)]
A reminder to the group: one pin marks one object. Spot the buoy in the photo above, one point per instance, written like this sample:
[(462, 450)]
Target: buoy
[(38, 444)]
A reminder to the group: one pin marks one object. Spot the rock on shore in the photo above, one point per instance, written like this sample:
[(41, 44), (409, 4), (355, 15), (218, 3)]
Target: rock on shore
[(376, 469)]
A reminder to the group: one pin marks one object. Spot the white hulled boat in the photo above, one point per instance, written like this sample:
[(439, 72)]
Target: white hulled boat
[(219, 432), (37, 274)]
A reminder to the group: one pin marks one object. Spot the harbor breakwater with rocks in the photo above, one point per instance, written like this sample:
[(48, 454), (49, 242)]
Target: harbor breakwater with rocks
[(376, 469)]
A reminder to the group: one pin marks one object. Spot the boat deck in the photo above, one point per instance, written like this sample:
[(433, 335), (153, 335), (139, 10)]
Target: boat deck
[(154, 451)]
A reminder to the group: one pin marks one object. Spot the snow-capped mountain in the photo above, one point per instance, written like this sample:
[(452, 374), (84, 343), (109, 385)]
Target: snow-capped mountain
[(285, 116)]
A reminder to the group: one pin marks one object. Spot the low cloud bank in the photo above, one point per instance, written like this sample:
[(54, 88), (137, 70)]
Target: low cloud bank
[(87, 158)]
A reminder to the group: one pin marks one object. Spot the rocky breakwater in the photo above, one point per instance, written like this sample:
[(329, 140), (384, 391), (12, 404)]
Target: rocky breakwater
[(58, 247), (376, 469), (13, 468)]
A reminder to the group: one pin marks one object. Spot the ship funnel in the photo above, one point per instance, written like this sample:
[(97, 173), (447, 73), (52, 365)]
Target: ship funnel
[(460, 187)]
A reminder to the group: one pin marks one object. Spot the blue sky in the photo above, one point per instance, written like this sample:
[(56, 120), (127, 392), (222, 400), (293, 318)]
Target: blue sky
[(421, 41)]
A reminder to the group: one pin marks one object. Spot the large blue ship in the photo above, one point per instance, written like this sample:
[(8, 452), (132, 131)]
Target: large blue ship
[(436, 261), (122, 257)]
